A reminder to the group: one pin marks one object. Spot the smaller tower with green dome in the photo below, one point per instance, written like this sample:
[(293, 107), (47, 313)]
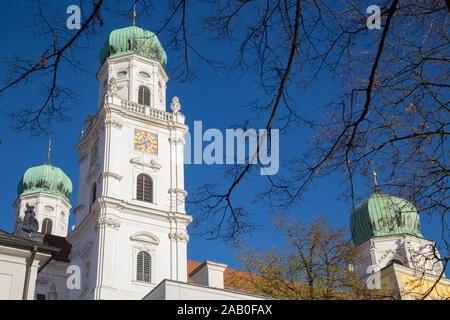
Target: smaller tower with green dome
[(46, 188), (386, 230)]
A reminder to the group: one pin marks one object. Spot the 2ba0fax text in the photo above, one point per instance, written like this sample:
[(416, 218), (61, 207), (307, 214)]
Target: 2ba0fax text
[(253, 309)]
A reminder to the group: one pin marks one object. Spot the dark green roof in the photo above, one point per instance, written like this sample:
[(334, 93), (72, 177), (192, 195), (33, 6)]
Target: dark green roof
[(133, 40), (7, 239), (45, 178), (383, 215)]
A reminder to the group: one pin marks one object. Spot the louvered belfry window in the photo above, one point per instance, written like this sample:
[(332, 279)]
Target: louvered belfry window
[(144, 95), (143, 266), (144, 188), (47, 225)]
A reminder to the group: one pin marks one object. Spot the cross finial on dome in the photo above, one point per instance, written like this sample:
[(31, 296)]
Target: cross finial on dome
[(374, 174), (49, 150), (134, 14)]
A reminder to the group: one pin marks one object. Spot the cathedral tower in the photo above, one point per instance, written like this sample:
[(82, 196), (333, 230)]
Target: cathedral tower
[(130, 230), (44, 191), (396, 256)]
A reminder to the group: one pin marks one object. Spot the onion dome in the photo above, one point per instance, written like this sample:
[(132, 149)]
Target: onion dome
[(47, 179), (383, 215), (133, 40)]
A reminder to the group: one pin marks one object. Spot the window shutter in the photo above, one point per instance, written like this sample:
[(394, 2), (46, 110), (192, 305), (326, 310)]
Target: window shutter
[(144, 188), (141, 95), (47, 225), (143, 266), (144, 96)]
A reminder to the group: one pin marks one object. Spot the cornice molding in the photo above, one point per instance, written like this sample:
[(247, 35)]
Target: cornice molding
[(116, 123), (140, 210), (181, 192), (179, 236), (132, 58), (145, 237), (152, 164), (28, 197), (108, 222), (105, 175), (177, 140)]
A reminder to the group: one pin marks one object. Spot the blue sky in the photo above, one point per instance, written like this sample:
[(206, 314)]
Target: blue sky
[(216, 99)]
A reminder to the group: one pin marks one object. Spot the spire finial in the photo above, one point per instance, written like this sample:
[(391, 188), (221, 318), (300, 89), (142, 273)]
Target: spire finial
[(49, 150), (134, 13), (374, 174)]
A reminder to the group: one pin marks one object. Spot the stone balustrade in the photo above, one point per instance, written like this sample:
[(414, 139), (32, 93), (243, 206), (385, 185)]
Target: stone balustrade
[(146, 110)]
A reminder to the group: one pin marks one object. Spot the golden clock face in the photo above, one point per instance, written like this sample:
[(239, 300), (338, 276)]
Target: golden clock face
[(94, 151), (146, 141)]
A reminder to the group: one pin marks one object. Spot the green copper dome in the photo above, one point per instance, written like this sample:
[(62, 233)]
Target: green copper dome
[(133, 40), (45, 178), (383, 215)]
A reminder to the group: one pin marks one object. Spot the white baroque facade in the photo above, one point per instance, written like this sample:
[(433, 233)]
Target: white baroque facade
[(130, 234), (114, 226)]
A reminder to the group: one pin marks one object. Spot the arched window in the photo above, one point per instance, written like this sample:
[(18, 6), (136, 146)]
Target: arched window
[(144, 188), (94, 193), (144, 95), (143, 266), (47, 225)]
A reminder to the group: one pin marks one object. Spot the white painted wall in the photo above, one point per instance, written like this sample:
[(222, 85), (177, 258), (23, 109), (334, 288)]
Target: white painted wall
[(174, 290), (13, 265), (209, 273)]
